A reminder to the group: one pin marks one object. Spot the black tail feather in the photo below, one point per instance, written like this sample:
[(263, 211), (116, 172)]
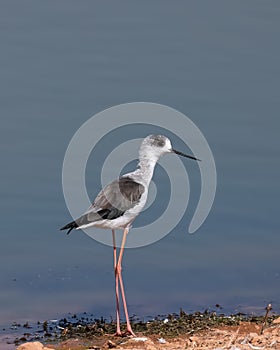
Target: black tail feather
[(69, 227)]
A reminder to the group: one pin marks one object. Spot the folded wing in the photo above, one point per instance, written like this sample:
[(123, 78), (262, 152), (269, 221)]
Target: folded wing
[(112, 202)]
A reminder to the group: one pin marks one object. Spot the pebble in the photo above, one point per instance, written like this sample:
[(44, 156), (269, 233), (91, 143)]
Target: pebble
[(277, 320), (140, 339), (33, 346)]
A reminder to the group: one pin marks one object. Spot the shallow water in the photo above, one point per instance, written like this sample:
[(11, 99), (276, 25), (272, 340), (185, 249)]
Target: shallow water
[(218, 64)]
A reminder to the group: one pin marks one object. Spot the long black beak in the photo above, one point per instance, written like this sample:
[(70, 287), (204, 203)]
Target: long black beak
[(184, 155)]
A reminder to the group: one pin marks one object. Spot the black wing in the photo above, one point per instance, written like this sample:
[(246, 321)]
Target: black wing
[(111, 203)]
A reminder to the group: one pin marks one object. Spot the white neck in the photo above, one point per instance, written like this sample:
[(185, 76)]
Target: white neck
[(145, 170)]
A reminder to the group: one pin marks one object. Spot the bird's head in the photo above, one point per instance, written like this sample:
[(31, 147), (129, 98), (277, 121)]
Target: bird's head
[(154, 146)]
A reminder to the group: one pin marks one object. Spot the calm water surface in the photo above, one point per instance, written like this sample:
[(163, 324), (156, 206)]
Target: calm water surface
[(63, 62)]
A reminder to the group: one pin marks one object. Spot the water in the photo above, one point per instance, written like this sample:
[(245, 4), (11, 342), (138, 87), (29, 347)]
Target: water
[(60, 64)]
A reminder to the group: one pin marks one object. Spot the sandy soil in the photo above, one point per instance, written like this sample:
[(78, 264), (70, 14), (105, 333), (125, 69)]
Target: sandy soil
[(245, 335)]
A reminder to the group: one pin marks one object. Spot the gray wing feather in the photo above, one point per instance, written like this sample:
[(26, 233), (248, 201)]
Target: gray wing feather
[(122, 194), (111, 203)]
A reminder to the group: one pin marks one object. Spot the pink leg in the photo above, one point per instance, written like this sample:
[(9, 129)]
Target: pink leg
[(118, 332), (119, 274)]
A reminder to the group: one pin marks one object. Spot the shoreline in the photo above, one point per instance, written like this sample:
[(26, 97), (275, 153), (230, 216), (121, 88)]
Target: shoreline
[(188, 329)]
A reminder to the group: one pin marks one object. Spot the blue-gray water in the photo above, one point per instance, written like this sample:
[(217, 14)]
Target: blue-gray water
[(62, 62)]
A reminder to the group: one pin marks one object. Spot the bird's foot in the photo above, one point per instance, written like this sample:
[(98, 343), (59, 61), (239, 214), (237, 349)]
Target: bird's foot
[(118, 334), (128, 332)]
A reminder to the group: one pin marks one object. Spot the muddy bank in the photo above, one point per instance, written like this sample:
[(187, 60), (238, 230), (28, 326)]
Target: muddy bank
[(184, 331)]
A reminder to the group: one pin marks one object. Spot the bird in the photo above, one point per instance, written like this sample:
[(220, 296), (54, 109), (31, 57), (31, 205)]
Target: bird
[(119, 203)]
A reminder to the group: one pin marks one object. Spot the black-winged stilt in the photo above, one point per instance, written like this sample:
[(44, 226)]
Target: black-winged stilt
[(118, 204)]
